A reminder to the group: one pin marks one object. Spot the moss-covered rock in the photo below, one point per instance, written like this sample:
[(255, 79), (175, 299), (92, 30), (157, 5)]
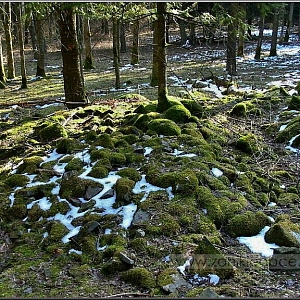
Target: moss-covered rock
[(244, 108), (139, 277), (30, 164), (142, 120), (130, 173), (195, 108), (98, 172), (178, 113), (164, 126), (68, 146), (285, 199), (284, 233), (248, 143), (291, 130), (105, 141), (123, 190), (52, 132), (74, 164), (16, 180), (247, 224), (294, 104)]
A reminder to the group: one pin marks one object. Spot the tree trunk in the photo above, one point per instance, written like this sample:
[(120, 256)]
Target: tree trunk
[(242, 11), (282, 27), (40, 35), (88, 61), (33, 35), (273, 50), (104, 27), (116, 51), (79, 32), (73, 83), (192, 37), (8, 39), (2, 72), (231, 42), (289, 24), (249, 33), (260, 37), (21, 45), (135, 42), (182, 29), (154, 75), (123, 47), (163, 103)]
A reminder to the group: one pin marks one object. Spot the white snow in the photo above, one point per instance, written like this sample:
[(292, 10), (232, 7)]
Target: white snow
[(257, 243), (217, 172)]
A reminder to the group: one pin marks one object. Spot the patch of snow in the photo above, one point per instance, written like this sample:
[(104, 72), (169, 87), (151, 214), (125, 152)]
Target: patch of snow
[(271, 204), (282, 127), (257, 243), (185, 266), (217, 172), (213, 279), (75, 251)]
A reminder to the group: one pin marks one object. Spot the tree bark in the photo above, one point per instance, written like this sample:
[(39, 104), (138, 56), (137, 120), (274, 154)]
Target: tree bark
[(73, 83), (40, 35), (163, 103), (21, 44), (283, 19), (154, 74), (260, 37), (79, 32), (231, 42), (123, 47), (88, 61), (242, 11), (33, 34), (135, 42), (116, 52), (289, 24), (273, 50), (8, 39), (2, 72)]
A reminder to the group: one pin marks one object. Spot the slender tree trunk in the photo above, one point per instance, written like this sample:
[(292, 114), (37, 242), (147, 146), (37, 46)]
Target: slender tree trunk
[(163, 103), (273, 50), (242, 11), (116, 52), (88, 61), (33, 35), (283, 19), (8, 39), (123, 47), (104, 27), (231, 42), (192, 37), (73, 83), (40, 35), (154, 75), (260, 37), (21, 45), (79, 31), (182, 29), (135, 42), (249, 33), (290, 23), (2, 72)]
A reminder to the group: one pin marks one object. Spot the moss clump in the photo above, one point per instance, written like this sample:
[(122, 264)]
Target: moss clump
[(284, 233), (130, 173), (287, 198), (178, 113), (57, 232), (68, 146), (105, 141), (294, 104), (139, 277), (130, 138), (117, 159), (52, 132), (247, 224), (244, 108), (142, 120), (194, 107), (30, 165), (74, 164), (98, 172), (289, 132), (16, 180), (97, 154), (123, 189), (165, 277), (248, 143), (164, 126)]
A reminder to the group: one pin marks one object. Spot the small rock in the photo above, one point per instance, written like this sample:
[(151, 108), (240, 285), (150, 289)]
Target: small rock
[(86, 206), (139, 150), (92, 191), (110, 193), (126, 259), (92, 226), (140, 233), (74, 201), (178, 284), (208, 293)]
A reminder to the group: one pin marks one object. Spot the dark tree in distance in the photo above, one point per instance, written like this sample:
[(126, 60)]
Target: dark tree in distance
[(231, 42)]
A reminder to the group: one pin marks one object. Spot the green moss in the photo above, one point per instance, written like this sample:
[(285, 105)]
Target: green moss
[(123, 190), (195, 108), (74, 164), (164, 127), (244, 183), (139, 277), (142, 120), (105, 141), (98, 172), (291, 130), (178, 113), (52, 132), (248, 143), (130, 138), (56, 232), (138, 244), (30, 164), (16, 180), (287, 198), (146, 108), (68, 146), (165, 277), (97, 154), (247, 224), (117, 159), (168, 225), (294, 104), (130, 173)]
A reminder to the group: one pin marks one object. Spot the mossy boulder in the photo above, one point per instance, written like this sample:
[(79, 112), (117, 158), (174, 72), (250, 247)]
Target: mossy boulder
[(123, 190), (56, 232), (105, 141), (178, 113), (98, 172), (285, 199), (195, 108), (284, 233), (146, 108), (142, 120), (130, 173), (30, 164), (164, 127), (139, 277), (291, 130), (244, 108), (248, 143), (52, 132), (74, 164), (68, 146), (247, 224), (16, 180), (294, 104)]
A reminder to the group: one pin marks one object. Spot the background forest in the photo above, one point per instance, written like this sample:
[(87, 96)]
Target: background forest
[(149, 149)]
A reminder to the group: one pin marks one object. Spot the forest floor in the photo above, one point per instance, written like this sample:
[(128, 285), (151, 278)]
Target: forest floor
[(42, 251)]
